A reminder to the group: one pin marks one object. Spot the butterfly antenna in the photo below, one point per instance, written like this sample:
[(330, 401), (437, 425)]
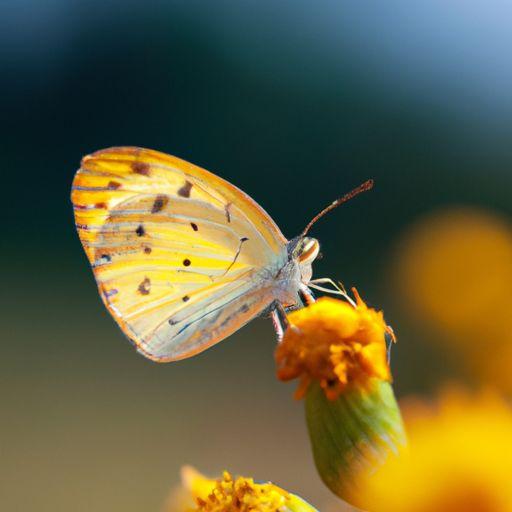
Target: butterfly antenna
[(367, 185)]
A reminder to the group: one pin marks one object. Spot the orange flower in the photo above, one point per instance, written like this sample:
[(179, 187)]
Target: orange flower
[(459, 459), (338, 351), (452, 274), (335, 343), (229, 494)]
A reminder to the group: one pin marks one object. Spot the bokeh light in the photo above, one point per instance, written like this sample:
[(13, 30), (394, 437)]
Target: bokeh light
[(459, 459), (453, 272)]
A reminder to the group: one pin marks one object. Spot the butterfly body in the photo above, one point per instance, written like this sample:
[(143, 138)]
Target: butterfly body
[(182, 258)]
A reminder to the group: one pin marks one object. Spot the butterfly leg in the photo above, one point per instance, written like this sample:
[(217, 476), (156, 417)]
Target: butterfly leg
[(306, 295), (336, 290), (278, 315), (328, 280)]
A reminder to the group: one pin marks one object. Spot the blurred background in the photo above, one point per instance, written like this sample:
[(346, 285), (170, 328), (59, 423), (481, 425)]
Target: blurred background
[(295, 103)]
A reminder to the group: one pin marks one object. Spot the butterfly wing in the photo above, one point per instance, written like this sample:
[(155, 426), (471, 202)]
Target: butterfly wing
[(182, 258)]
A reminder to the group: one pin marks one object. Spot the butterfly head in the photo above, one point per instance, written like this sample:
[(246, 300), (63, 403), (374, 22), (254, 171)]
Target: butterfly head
[(304, 251), (307, 250)]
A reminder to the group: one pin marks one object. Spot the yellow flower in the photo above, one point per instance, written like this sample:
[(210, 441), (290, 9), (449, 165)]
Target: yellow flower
[(459, 460), (338, 350), (334, 343), (453, 273), (229, 494)]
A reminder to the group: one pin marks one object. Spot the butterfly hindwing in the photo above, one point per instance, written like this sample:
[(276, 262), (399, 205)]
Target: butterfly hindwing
[(181, 257)]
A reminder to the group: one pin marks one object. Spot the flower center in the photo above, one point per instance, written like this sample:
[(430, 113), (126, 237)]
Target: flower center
[(242, 495), (335, 343)]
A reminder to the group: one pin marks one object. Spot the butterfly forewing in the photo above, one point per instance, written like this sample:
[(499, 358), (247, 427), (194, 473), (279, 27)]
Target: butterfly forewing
[(181, 257)]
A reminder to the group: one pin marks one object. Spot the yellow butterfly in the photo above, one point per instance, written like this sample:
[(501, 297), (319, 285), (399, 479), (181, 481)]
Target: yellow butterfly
[(183, 258)]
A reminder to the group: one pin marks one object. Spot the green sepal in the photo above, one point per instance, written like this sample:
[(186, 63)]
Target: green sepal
[(356, 431), (297, 504)]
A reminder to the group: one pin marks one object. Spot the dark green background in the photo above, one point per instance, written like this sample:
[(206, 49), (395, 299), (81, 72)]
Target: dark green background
[(295, 103)]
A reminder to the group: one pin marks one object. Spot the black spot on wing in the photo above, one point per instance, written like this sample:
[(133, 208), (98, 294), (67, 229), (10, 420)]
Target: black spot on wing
[(113, 185), (110, 293), (185, 298), (141, 168), (159, 204), (140, 230), (186, 262), (144, 287), (147, 250), (184, 191), (228, 214), (194, 226)]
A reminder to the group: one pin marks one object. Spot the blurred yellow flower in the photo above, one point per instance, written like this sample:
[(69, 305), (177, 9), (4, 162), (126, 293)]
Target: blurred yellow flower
[(334, 343), (228, 494), (453, 272), (459, 460)]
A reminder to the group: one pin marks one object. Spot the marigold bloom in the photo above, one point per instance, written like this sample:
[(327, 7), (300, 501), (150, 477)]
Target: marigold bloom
[(459, 460), (338, 350), (334, 343), (229, 494)]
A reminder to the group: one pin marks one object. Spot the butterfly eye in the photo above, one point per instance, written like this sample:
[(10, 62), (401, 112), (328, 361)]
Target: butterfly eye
[(309, 250)]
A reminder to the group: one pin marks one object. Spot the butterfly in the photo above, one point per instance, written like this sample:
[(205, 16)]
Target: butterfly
[(181, 257)]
